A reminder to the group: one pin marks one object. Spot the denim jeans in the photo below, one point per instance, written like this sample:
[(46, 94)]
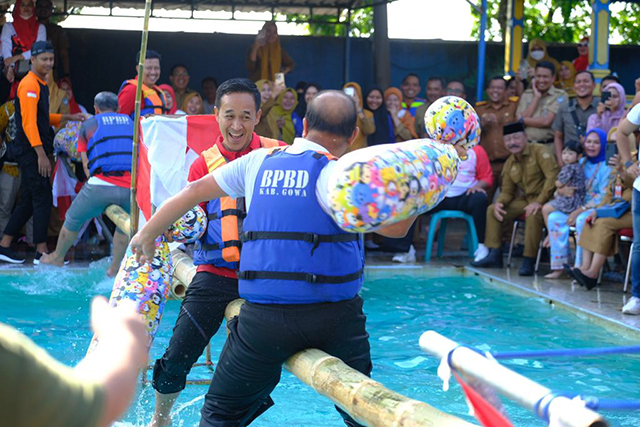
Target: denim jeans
[(635, 255)]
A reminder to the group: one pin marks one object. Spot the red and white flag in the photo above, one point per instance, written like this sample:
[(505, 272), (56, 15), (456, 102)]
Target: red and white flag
[(65, 188), (168, 147)]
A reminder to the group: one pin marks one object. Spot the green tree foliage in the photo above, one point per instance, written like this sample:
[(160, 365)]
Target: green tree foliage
[(361, 23), (560, 21)]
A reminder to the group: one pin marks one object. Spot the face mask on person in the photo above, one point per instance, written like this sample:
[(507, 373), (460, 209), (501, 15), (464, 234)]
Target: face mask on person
[(537, 54)]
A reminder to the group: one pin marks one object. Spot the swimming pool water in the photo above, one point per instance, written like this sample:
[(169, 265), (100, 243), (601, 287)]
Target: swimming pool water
[(51, 306)]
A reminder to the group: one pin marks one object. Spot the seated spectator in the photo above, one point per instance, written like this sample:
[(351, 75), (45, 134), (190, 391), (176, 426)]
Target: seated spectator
[(468, 193), (599, 239), (512, 88), (209, 90), (267, 101), (266, 57), (74, 107), (539, 105), (435, 90), (18, 37), (403, 129), (566, 77), (105, 146), (57, 36), (9, 175), (538, 53), (410, 91), (153, 102), (179, 78), (609, 113), (366, 124), (494, 114), (94, 393), (528, 181), (571, 176), (611, 78), (382, 118), (192, 104), (285, 124), (58, 102), (170, 100), (301, 109), (581, 63), (570, 124), (597, 175), (308, 94), (456, 88)]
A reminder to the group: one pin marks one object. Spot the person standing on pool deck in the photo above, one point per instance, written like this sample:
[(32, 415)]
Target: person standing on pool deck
[(309, 299), (32, 147), (216, 283)]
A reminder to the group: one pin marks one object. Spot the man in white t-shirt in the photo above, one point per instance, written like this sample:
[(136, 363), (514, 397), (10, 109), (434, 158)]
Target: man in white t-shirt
[(299, 272), (625, 128)]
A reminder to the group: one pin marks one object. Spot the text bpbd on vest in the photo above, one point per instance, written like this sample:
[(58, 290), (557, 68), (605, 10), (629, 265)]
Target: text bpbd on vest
[(284, 183)]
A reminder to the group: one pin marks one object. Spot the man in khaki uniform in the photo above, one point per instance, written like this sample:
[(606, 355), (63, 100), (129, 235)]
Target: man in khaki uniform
[(539, 105), (528, 182), (494, 114)]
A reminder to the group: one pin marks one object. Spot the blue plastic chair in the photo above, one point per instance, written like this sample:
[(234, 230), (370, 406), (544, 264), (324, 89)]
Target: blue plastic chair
[(443, 216)]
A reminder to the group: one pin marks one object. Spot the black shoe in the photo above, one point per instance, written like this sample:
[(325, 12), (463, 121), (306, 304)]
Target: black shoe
[(571, 272), (493, 260), (7, 255), (528, 265), (585, 281)]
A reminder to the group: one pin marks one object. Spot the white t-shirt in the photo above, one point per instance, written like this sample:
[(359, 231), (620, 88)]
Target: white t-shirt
[(8, 31), (238, 178), (634, 118)]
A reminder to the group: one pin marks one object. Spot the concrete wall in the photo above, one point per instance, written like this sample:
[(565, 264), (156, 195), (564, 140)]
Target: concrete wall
[(102, 60)]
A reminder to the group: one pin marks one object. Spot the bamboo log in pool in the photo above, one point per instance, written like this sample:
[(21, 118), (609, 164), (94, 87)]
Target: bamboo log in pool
[(184, 270), (366, 400)]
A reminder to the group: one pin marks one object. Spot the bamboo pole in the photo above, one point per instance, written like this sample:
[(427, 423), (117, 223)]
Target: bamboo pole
[(366, 400), (509, 383), (135, 210), (120, 218)]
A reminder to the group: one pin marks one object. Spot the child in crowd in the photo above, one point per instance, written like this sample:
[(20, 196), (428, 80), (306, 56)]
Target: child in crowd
[(571, 176)]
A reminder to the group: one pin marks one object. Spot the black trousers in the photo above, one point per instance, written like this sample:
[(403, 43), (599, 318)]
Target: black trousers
[(475, 204), (201, 315), (263, 337), (35, 199)]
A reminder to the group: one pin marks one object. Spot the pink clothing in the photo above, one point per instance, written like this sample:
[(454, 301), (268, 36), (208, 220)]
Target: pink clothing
[(476, 168), (609, 119)]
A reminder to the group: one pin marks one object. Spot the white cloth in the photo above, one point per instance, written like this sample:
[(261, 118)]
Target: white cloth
[(7, 45), (634, 117), (94, 180), (466, 177), (238, 178)]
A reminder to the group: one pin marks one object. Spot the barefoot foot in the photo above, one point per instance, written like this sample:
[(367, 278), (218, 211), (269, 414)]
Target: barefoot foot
[(50, 259), (554, 275)]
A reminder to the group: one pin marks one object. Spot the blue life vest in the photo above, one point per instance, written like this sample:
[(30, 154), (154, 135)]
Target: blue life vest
[(293, 252), (220, 245), (110, 148)]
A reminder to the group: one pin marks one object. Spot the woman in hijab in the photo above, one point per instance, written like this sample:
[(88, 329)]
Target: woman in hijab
[(597, 175), (310, 91), (610, 112), (266, 56), (403, 122), (18, 36), (74, 107), (365, 123), (538, 52), (192, 104), (285, 124), (381, 117), (267, 102), (566, 76), (170, 99)]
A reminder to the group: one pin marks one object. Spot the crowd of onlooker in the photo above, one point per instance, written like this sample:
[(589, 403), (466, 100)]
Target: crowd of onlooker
[(546, 156)]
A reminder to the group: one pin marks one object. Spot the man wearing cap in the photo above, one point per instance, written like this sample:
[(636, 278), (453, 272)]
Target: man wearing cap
[(31, 148), (540, 103), (153, 101), (528, 182)]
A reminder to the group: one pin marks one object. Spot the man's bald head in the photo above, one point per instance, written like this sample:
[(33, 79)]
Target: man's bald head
[(332, 112)]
